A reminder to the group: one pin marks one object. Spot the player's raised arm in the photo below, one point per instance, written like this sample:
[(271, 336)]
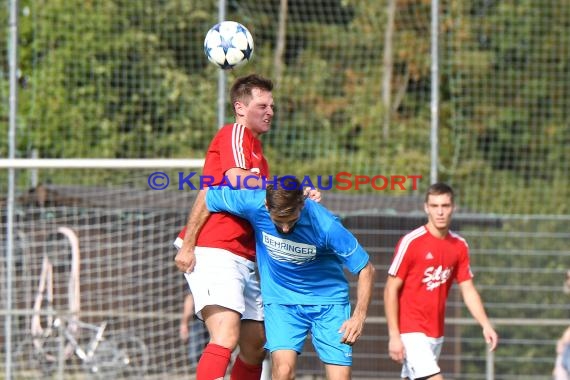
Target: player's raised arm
[(185, 259)]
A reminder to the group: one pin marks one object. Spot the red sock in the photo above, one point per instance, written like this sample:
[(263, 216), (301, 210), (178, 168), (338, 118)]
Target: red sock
[(244, 371), (213, 363)]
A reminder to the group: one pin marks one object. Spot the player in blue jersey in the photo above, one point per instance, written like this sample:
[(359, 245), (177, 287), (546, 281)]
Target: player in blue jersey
[(302, 250)]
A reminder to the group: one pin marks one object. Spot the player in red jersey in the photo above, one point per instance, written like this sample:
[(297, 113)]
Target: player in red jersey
[(222, 274), (425, 264)]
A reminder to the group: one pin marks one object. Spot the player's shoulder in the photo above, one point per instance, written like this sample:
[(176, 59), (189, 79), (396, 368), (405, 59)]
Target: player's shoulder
[(323, 213), (457, 238), (233, 130), (415, 235), (414, 238)]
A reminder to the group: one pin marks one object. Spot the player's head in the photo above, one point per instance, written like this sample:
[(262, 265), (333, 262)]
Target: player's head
[(243, 87), (284, 200), (440, 188), (252, 102), (439, 206)]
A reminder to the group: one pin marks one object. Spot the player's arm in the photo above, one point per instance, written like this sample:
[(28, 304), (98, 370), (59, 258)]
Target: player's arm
[(352, 328), (185, 258), (243, 179), (391, 310), (187, 311), (475, 305)]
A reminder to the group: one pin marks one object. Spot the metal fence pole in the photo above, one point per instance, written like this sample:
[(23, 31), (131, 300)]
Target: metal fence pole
[(434, 103), (13, 64), (490, 365), (221, 74)]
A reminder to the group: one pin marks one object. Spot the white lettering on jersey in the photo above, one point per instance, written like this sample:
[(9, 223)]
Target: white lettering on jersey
[(434, 277), (288, 251)]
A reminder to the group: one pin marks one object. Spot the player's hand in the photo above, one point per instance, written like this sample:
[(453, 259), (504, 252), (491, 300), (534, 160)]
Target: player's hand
[(396, 349), (491, 338), (312, 194), (351, 330), (184, 333), (185, 259)]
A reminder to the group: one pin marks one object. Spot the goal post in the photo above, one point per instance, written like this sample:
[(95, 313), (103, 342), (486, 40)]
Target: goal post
[(99, 163)]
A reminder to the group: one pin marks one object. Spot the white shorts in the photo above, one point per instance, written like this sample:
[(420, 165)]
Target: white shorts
[(422, 353), (225, 279)]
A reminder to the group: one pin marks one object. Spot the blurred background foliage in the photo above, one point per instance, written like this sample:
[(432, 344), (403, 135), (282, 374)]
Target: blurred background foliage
[(128, 79)]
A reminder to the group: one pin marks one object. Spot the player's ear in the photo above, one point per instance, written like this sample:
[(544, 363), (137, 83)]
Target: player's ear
[(426, 208), (239, 108)]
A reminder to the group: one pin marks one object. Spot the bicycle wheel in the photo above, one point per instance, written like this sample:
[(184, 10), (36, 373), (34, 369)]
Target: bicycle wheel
[(119, 357), (33, 360)]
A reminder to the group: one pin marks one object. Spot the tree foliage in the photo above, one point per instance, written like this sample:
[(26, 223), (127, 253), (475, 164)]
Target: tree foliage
[(125, 79)]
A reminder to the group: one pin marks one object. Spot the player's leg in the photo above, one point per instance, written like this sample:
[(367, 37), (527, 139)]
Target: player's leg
[(283, 364), (286, 328), (223, 328), (217, 284), (326, 322), (249, 362), (338, 372), (422, 354)]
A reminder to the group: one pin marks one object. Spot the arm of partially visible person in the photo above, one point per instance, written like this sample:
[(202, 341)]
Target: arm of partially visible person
[(352, 328), (564, 340), (187, 311), (391, 309), (473, 302), (185, 258)]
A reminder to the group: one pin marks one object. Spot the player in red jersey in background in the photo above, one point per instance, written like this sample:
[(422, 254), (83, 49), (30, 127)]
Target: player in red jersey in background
[(425, 264)]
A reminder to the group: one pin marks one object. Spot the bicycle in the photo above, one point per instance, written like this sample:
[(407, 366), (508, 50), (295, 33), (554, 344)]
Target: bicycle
[(122, 356)]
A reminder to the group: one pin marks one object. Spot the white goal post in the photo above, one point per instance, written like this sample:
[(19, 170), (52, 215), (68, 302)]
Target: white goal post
[(98, 163)]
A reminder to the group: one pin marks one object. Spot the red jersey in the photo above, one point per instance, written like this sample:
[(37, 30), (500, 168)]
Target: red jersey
[(234, 146), (428, 265)]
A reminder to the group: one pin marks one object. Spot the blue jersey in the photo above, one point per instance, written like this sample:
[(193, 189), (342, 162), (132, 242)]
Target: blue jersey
[(304, 267)]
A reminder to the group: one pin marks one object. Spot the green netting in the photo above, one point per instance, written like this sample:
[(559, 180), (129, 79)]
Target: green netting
[(509, 93), (128, 79)]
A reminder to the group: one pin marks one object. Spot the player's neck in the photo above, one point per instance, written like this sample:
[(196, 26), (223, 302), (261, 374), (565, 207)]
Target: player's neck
[(242, 122), (439, 233)]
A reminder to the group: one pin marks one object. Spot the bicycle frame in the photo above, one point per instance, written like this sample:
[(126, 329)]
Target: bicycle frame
[(87, 353)]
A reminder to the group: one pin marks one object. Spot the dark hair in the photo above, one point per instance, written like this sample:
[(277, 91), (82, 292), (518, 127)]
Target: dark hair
[(242, 88), (284, 196), (440, 188)]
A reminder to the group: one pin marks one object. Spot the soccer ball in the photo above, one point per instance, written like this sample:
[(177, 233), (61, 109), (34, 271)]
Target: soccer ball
[(228, 44)]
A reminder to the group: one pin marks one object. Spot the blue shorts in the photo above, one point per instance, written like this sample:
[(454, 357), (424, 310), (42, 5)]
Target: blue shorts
[(287, 327)]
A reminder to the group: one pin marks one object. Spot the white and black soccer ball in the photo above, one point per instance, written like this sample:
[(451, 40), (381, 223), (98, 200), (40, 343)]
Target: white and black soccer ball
[(228, 44)]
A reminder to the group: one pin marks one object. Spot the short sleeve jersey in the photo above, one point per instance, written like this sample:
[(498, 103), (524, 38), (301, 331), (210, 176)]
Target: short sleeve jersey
[(234, 146), (428, 266), (304, 267)]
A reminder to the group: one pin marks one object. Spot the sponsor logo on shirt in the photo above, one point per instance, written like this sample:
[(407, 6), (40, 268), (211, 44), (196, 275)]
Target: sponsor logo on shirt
[(436, 276), (429, 256), (288, 251)]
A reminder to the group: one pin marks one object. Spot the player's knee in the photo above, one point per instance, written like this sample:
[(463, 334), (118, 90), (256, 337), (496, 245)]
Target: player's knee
[(282, 371), (254, 354)]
